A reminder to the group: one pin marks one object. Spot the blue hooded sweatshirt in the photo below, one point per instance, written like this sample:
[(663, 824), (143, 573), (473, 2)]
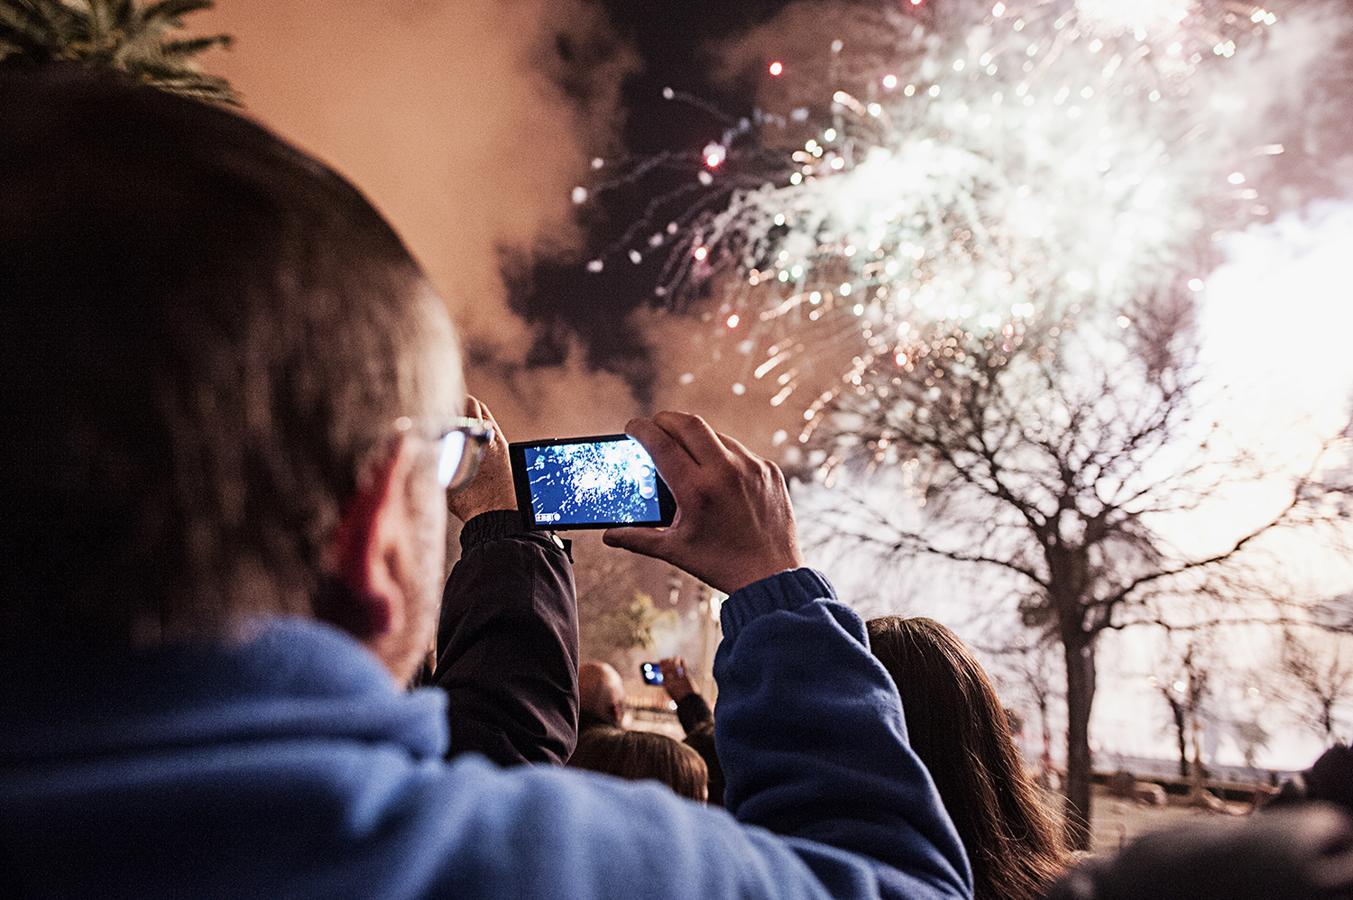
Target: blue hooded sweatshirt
[(291, 765)]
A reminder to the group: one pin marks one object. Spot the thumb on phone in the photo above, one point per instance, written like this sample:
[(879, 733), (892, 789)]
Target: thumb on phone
[(644, 541)]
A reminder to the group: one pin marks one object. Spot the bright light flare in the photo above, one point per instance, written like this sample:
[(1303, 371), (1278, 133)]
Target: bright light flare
[(1142, 18)]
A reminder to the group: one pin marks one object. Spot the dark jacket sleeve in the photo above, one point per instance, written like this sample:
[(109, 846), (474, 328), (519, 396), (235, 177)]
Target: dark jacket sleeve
[(697, 720), (701, 740), (508, 644), (693, 712)]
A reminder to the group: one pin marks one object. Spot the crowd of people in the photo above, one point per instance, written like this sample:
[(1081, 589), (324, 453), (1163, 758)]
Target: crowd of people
[(236, 423), (691, 768)]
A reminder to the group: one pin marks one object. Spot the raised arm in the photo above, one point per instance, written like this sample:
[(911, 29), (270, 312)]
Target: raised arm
[(508, 639), (810, 728), (692, 710), (813, 742), (696, 719)]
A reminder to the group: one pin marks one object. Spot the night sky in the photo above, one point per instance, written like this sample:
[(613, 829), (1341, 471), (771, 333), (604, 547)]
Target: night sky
[(672, 41)]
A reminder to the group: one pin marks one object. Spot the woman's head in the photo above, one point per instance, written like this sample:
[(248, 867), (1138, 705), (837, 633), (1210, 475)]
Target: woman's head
[(642, 755), (960, 731)]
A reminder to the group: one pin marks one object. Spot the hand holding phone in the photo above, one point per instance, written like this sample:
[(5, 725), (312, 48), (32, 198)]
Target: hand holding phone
[(491, 488), (675, 680), (734, 523)]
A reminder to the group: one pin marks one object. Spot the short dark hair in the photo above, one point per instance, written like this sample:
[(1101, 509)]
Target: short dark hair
[(957, 726), (643, 755), (202, 331)]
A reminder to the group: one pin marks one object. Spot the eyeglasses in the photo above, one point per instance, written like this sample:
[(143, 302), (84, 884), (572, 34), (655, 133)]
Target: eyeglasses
[(460, 444)]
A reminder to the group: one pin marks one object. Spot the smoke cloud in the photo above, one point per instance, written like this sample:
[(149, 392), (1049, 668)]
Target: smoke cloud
[(467, 122)]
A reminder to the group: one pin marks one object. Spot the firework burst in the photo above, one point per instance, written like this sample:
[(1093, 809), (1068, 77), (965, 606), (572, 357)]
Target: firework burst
[(978, 170)]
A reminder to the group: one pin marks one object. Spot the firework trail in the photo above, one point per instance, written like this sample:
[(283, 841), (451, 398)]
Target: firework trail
[(971, 169)]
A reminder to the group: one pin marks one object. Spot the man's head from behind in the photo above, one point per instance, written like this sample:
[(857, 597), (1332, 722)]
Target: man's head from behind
[(601, 692), (206, 341)]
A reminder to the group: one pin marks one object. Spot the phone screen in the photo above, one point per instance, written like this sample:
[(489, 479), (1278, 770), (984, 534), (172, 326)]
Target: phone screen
[(651, 673), (595, 482)]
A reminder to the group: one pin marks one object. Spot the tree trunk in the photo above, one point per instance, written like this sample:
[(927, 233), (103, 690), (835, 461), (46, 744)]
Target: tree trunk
[(1198, 778), (1181, 734), (1045, 726), (1080, 698)]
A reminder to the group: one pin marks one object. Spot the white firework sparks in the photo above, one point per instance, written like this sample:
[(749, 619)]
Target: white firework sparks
[(1138, 16), (1038, 160)]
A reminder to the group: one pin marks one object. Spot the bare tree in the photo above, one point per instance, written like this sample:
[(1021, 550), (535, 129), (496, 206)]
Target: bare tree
[(1030, 669), (1320, 676), (1184, 691), (1179, 718), (1071, 458), (1187, 688), (1249, 714)]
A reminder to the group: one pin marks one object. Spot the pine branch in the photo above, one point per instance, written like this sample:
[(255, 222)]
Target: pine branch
[(56, 20), (224, 96), (19, 49), (21, 24), (158, 71), (100, 20), (193, 46), (171, 12), (124, 15), (187, 83), (115, 34)]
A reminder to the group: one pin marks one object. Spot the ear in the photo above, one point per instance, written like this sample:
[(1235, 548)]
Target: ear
[(366, 549)]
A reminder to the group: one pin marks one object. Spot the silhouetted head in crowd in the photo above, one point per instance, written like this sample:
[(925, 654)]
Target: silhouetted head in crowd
[(601, 694), (642, 756), (1329, 780), (957, 726), (224, 380), (1296, 854)]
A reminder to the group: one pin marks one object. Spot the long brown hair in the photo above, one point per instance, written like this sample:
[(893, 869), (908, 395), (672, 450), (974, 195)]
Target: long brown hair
[(642, 755), (959, 729)]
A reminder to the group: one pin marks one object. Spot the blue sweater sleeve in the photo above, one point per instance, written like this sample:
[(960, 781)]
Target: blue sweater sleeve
[(812, 738)]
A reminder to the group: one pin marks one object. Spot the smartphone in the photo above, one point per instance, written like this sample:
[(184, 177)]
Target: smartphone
[(589, 482), (651, 673)]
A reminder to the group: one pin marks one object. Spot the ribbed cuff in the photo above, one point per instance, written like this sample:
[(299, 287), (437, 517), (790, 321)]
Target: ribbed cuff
[(490, 526), (787, 590)]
